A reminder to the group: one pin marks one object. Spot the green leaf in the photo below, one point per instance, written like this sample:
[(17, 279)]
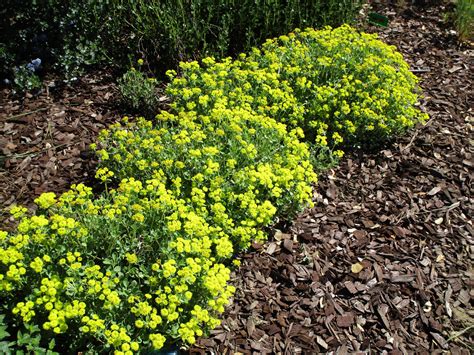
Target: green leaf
[(3, 333), (378, 19), (4, 348)]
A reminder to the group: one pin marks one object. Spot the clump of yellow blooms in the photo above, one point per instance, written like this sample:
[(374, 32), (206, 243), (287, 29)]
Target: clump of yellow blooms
[(148, 263), (110, 278), (340, 86)]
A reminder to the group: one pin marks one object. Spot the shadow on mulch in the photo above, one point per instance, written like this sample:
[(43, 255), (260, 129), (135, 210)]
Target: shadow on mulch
[(383, 262)]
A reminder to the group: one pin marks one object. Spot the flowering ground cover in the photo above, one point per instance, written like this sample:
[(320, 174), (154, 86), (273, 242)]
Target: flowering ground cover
[(193, 222)]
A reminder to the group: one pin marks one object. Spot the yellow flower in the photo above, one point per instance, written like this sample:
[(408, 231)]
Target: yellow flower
[(46, 200), (157, 340), (236, 262), (131, 258), (138, 217)]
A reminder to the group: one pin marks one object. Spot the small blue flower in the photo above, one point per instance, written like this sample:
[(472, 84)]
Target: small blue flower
[(34, 65)]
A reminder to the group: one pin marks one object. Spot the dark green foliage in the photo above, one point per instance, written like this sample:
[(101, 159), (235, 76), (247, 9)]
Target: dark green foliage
[(66, 35), (26, 342), (139, 92), (70, 35)]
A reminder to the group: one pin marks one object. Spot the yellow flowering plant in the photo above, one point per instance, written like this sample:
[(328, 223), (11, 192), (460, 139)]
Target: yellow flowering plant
[(344, 88), (115, 273), (147, 263), (237, 168)]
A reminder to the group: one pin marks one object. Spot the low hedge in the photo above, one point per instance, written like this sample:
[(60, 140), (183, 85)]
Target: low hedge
[(72, 35), (148, 262)]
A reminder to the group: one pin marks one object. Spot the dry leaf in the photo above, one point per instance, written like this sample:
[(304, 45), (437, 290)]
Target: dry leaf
[(10, 146), (356, 268), (434, 190), (321, 342), (271, 248), (250, 326)]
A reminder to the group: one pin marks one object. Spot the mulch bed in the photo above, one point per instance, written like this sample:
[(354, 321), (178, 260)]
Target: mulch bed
[(381, 264), (44, 140)]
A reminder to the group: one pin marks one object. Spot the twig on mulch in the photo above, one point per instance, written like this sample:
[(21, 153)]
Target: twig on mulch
[(415, 134), (26, 114), (33, 154)]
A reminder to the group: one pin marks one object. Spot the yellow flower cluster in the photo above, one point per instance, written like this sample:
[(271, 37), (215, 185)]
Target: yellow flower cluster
[(113, 278), (104, 174), (341, 86), (46, 200), (18, 211), (360, 88), (255, 164)]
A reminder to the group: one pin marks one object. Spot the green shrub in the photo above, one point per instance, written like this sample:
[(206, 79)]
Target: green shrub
[(27, 340), (464, 19), (25, 80), (139, 92), (68, 35), (75, 34), (179, 29), (7, 58)]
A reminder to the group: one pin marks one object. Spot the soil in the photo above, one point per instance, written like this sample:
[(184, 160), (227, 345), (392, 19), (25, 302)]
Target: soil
[(381, 264)]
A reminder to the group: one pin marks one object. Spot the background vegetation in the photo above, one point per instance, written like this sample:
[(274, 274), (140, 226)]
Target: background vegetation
[(70, 35), (464, 19)]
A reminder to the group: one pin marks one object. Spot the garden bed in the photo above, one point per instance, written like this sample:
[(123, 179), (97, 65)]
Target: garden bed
[(384, 260), (402, 216)]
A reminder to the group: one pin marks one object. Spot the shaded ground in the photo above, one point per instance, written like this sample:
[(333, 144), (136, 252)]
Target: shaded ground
[(44, 140), (383, 263)]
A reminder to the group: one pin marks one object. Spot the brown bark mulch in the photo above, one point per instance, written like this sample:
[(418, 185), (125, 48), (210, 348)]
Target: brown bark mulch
[(44, 140), (383, 262)]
